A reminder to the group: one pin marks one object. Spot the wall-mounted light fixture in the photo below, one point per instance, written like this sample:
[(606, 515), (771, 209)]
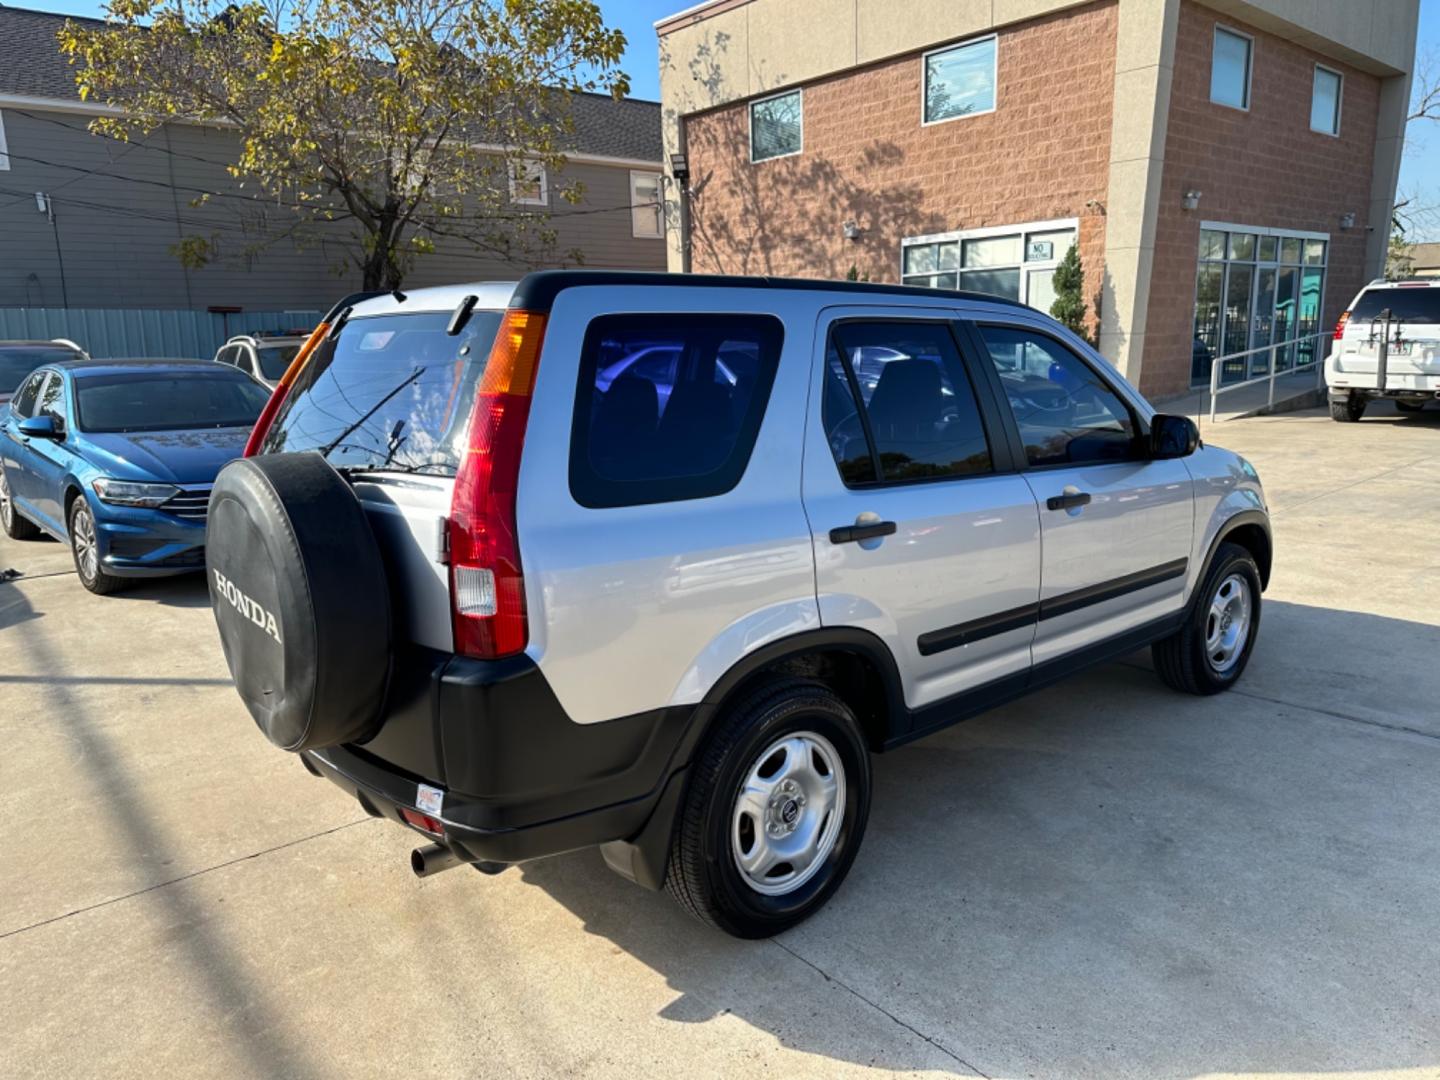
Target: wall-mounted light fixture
[(679, 168), (1095, 206), (1347, 221), (1190, 200), (852, 230)]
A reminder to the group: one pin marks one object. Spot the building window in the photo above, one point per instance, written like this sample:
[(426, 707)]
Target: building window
[(960, 81), (646, 207), (1014, 261), (1230, 69), (1325, 101), (776, 126), (528, 184), (4, 147), (1258, 300)]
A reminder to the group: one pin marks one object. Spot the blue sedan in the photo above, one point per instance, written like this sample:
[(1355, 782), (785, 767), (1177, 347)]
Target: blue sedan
[(116, 458)]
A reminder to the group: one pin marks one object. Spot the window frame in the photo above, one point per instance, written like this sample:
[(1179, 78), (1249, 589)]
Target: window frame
[(1249, 39), (4, 145), (595, 492), (543, 176), (985, 232), (1339, 99), (659, 234), (1138, 420), (799, 92), (952, 47), (992, 421)]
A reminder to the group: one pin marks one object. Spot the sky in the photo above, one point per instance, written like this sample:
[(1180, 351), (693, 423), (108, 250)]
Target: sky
[(1419, 173)]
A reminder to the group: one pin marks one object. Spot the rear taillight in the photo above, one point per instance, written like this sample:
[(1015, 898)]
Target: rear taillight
[(1340, 326), (487, 590), (267, 414)]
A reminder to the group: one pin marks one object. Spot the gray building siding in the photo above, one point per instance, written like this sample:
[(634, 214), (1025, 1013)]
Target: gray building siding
[(121, 209)]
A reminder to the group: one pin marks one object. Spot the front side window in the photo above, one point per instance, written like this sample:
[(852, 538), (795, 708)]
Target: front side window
[(776, 126), (23, 404), (1230, 69), (1065, 412), (528, 185), (1325, 102), (960, 81), (898, 406), (51, 402), (167, 401), (646, 205), (669, 406)]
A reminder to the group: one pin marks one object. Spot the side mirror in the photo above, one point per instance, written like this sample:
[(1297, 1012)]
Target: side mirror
[(1173, 436), (41, 427)]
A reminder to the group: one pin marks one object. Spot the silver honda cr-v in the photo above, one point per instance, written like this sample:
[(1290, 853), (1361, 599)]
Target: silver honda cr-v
[(655, 562)]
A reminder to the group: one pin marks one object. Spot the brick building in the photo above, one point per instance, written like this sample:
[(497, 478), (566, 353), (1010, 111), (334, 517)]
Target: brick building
[(1227, 169)]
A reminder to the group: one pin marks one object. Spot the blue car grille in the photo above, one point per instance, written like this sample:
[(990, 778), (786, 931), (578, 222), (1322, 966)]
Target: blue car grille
[(192, 504)]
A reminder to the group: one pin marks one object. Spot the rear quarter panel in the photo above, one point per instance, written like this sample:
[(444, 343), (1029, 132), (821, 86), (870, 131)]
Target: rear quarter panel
[(638, 607)]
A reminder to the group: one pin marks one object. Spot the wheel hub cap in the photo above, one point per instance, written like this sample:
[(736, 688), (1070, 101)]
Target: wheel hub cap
[(787, 814)]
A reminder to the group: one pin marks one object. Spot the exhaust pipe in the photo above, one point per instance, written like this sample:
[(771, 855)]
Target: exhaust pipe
[(431, 859)]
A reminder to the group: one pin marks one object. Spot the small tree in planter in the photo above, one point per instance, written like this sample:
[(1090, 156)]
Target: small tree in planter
[(1069, 307)]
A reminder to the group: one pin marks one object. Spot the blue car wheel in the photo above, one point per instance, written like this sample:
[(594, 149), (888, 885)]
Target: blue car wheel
[(17, 526), (85, 547)]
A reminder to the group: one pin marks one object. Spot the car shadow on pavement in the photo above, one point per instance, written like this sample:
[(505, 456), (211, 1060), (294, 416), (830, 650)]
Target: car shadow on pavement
[(185, 591), (1111, 879)]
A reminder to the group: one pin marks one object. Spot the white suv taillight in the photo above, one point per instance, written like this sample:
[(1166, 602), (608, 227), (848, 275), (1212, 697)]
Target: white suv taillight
[(487, 589), (1340, 326)]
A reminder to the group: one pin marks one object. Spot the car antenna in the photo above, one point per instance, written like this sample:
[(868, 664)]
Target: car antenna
[(461, 315), (398, 295)]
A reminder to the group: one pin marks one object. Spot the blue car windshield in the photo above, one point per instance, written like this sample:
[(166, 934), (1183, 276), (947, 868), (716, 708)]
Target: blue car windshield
[(17, 361), (167, 401)]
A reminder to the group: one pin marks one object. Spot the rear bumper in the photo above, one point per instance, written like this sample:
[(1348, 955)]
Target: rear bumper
[(520, 779)]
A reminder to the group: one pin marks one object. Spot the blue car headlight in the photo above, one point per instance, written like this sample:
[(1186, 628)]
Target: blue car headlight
[(131, 493)]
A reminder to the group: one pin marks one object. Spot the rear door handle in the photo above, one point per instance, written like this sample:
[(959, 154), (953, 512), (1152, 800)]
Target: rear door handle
[(849, 534), (1068, 501)]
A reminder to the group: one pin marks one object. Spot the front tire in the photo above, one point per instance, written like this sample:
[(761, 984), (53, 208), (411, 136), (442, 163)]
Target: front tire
[(1347, 410), (1209, 652), (773, 813), (16, 525), (85, 549)]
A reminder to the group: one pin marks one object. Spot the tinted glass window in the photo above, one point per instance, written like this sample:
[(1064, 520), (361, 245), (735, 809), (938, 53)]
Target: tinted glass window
[(920, 410), (1420, 304), (669, 406), (167, 401), (1066, 413), (52, 399), (274, 359), (23, 403), (776, 127), (17, 361), (392, 392)]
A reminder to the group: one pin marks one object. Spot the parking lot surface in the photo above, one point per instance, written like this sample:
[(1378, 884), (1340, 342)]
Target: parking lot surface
[(1104, 880)]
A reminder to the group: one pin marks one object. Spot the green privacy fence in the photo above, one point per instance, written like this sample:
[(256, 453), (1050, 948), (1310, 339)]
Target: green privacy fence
[(113, 332)]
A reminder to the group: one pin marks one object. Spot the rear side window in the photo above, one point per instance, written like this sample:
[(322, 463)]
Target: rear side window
[(1418, 304), (668, 406), (393, 393), (918, 418)]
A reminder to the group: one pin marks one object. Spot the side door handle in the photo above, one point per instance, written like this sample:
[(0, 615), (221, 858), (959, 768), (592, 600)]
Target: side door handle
[(849, 534), (1068, 500)]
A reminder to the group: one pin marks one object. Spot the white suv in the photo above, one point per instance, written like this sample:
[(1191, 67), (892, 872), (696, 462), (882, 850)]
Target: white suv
[(1387, 345), (655, 562), (264, 357)]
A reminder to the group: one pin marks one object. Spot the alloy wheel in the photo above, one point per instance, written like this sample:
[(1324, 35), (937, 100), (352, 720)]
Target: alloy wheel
[(1227, 624), (82, 538)]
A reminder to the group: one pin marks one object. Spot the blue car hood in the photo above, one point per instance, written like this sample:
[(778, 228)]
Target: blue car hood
[(178, 457)]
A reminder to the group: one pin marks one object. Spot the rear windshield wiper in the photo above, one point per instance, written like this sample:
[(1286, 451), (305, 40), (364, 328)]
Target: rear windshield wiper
[(328, 448)]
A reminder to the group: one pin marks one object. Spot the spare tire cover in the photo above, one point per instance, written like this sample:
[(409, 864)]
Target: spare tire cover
[(299, 592)]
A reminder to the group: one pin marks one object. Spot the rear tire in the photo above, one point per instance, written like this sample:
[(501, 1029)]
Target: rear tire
[(1209, 652), (85, 550), (1410, 406), (773, 813), (1347, 410), (17, 526)]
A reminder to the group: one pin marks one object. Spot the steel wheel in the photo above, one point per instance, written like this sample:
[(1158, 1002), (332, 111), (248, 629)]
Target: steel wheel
[(788, 813), (82, 539), (1227, 625)]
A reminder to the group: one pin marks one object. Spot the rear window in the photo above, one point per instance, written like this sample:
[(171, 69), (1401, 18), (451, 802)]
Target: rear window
[(167, 401), (391, 393), (274, 359), (1420, 304), (668, 406), (17, 361)]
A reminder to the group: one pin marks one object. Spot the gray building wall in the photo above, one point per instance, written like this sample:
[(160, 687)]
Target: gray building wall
[(121, 208)]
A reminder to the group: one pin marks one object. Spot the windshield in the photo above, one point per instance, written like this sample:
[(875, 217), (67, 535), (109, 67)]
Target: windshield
[(274, 359), (1413, 305), (17, 361), (167, 401), (392, 392)]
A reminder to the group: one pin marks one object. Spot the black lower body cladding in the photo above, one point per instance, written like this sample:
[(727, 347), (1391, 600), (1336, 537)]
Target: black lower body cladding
[(299, 593)]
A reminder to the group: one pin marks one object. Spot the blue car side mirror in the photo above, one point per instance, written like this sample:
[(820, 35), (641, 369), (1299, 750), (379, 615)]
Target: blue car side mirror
[(41, 427)]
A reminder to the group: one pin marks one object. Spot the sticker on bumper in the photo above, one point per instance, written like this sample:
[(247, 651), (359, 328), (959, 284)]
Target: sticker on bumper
[(429, 800)]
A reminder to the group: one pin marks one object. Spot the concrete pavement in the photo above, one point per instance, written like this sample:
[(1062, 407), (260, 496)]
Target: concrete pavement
[(1104, 880)]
